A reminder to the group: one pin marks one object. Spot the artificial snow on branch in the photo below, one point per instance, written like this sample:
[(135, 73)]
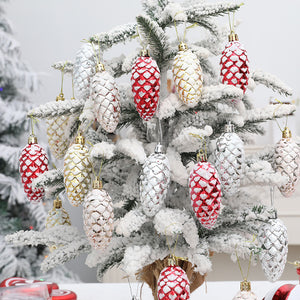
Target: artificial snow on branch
[(57, 108), (131, 222), (179, 173), (155, 37), (132, 148), (272, 82), (186, 142), (199, 257), (49, 178), (64, 66), (115, 66), (169, 106), (103, 150), (119, 34)]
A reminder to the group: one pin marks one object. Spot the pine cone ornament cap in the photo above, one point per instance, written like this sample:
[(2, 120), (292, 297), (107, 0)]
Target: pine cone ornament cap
[(105, 95), (173, 284), (98, 217), (187, 76), (287, 162), (273, 239), (154, 182), (145, 81), (235, 64), (77, 171), (33, 161), (205, 193), (230, 159), (245, 292)]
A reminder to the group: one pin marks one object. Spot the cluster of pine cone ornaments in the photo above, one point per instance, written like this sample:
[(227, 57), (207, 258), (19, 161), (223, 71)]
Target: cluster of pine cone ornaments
[(206, 182)]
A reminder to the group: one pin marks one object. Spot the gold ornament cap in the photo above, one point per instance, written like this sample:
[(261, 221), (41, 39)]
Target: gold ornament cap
[(183, 46), (245, 286), (57, 203), (80, 139), (172, 260), (144, 52), (60, 97), (97, 184), (32, 139), (229, 127), (286, 133), (158, 148), (233, 37), (100, 67)]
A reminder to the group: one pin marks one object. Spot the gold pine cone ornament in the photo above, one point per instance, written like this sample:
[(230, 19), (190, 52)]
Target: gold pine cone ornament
[(77, 171), (187, 76), (98, 216), (56, 132)]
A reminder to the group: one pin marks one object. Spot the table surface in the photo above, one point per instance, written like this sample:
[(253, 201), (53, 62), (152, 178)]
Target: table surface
[(216, 290)]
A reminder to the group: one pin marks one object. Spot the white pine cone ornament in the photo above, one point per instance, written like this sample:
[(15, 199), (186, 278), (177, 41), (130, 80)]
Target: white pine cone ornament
[(245, 292), (33, 161), (273, 239), (154, 182), (98, 216), (205, 193), (84, 69), (187, 76), (77, 171), (230, 159), (173, 284), (145, 81), (234, 64), (287, 161), (105, 94), (57, 215), (56, 132)]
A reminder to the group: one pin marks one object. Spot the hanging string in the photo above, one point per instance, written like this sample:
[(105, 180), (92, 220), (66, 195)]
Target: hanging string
[(176, 31), (160, 133), (62, 78), (33, 121), (144, 45), (231, 24), (73, 94), (272, 195), (188, 27), (94, 172), (275, 110), (202, 153)]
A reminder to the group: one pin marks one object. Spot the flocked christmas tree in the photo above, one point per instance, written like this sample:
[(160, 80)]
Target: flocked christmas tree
[(17, 81), (144, 138)]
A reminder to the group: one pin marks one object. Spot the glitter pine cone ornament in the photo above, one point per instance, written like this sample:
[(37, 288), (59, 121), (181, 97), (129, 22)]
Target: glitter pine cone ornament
[(173, 284), (77, 171), (98, 216), (205, 193), (230, 159), (245, 292), (84, 69), (273, 239), (145, 81), (154, 182), (234, 64), (287, 162), (57, 215), (105, 94), (56, 132), (187, 76), (33, 161)]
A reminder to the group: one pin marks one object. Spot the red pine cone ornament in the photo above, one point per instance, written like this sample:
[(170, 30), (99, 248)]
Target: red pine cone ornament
[(105, 95), (205, 193), (33, 161), (284, 292), (145, 80), (173, 284), (235, 64)]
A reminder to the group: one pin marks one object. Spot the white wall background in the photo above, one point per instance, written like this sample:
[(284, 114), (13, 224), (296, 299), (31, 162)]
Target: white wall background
[(50, 31)]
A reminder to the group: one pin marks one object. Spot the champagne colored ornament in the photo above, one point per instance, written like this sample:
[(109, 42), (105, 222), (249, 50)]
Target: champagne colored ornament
[(145, 81), (33, 161), (230, 159), (57, 215), (56, 129), (205, 192), (154, 182), (287, 162), (84, 69), (187, 76), (105, 95), (98, 216), (173, 284), (245, 292), (234, 63), (77, 171), (273, 239)]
